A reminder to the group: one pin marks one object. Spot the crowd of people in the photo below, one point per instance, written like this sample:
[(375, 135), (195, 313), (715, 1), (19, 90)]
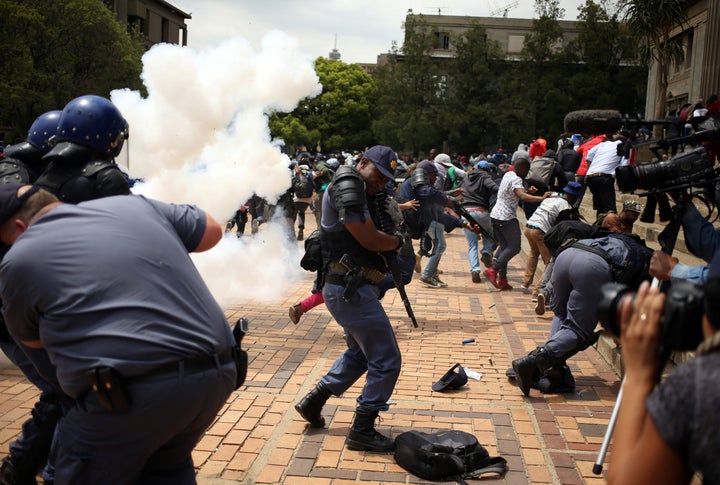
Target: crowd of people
[(109, 338)]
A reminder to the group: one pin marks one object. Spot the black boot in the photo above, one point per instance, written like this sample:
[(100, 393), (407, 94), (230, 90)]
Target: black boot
[(364, 437), (528, 369), (10, 475), (557, 380), (311, 405)]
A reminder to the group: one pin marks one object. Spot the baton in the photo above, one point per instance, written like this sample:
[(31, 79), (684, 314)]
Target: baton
[(395, 269)]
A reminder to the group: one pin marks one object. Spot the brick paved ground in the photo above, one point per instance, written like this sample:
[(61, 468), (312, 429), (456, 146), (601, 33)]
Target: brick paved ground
[(259, 438)]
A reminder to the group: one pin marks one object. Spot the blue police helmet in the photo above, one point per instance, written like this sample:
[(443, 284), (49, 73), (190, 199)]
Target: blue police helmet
[(43, 128), (94, 122)]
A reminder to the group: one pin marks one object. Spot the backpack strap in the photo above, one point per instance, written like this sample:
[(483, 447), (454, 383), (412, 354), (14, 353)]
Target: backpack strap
[(597, 251)]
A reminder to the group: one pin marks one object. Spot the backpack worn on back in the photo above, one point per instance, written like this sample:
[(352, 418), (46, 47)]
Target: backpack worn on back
[(446, 455), (303, 185), (541, 172), (564, 233)]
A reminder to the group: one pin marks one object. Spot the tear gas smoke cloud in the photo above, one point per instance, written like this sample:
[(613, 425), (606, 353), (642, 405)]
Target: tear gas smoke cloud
[(201, 137)]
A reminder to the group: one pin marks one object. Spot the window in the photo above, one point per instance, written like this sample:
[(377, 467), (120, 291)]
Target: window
[(165, 33), (442, 40), (689, 49)]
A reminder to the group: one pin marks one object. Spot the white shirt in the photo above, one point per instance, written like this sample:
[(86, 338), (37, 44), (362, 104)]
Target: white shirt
[(603, 158), (547, 212), (505, 208)]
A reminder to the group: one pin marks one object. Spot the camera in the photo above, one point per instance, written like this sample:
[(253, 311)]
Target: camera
[(680, 321), (680, 170)]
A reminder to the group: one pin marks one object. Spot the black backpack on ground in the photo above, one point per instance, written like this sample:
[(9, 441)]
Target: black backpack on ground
[(445, 456)]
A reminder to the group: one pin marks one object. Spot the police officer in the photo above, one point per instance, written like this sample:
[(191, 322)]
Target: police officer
[(91, 132), (30, 451), (128, 323), (356, 259), (577, 278)]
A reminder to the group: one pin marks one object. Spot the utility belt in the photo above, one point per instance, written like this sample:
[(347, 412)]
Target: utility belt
[(476, 209), (352, 277), (111, 388), (599, 174)]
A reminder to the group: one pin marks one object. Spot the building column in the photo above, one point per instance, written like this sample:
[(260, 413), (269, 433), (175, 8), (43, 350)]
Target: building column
[(710, 82)]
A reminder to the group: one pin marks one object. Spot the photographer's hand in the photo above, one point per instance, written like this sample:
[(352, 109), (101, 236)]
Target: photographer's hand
[(640, 455), (640, 335)]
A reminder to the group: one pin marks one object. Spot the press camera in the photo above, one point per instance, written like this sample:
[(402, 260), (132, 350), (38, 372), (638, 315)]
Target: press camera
[(681, 319)]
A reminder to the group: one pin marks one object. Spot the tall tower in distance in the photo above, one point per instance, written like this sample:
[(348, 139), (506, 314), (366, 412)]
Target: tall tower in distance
[(334, 54)]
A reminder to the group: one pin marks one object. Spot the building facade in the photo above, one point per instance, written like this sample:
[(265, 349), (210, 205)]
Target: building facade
[(698, 76), (157, 20), (508, 33)]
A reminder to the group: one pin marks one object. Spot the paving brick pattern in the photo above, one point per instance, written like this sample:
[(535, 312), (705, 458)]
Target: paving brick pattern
[(259, 438)]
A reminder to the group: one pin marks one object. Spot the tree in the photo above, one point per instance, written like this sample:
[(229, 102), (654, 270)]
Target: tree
[(477, 79), (412, 91), (56, 50), (339, 118), (653, 22)]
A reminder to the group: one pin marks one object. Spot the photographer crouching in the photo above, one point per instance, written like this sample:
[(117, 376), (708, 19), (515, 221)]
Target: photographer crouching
[(667, 433)]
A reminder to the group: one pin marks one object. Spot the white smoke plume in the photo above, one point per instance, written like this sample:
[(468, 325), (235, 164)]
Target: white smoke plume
[(201, 136)]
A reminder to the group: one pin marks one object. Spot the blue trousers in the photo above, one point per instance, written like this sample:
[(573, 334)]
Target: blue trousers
[(151, 443), (371, 347), (473, 240), (577, 279), (437, 232), (30, 451)]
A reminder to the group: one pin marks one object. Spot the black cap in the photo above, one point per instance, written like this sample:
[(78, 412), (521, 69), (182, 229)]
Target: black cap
[(10, 203), (451, 380)]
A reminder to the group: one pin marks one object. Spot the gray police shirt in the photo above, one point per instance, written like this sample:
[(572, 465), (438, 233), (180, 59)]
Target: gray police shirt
[(109, 282)]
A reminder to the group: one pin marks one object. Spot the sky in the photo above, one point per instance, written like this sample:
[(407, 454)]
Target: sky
[(364, 28)]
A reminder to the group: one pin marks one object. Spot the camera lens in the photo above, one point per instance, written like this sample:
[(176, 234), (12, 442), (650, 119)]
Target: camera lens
[(614, 298)]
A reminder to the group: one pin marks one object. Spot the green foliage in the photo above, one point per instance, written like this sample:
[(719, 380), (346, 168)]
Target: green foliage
[(653, 21), (56, 50), (339, 118), (412, 92)]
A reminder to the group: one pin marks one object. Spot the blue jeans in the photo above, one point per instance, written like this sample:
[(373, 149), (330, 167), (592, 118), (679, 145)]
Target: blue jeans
[(483, 220), (507, 234), (371, 347), (437, 232)]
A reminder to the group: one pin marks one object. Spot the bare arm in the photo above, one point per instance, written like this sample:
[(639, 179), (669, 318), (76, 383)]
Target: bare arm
[(524, 196), (213, 234)]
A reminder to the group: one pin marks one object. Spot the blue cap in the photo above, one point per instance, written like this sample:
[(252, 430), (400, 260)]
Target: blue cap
[(573, 188), (483, 164), (384, 158)]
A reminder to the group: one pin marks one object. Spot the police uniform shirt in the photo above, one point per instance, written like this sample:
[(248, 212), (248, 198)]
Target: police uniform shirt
[(331, 217), (110, 282)]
